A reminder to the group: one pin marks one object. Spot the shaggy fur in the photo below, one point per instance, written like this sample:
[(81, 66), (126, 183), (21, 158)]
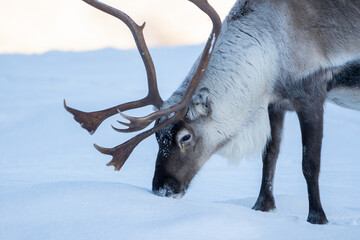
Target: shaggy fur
[(271, 56)]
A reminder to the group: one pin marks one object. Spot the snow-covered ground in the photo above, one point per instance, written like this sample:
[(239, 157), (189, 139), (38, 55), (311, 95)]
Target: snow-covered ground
[(55, 185)]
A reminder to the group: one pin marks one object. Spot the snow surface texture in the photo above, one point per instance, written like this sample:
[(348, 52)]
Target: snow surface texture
[(55, 185)]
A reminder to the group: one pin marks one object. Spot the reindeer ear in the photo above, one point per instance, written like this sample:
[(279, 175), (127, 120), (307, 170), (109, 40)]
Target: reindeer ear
[(200, 104)]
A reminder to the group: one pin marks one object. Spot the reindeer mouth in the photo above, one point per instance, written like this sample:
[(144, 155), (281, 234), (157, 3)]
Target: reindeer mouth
[(169, 192), (169, 188)]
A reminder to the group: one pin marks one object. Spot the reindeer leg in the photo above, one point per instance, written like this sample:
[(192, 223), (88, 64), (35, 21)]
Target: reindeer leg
[(266, 201), (311, 122)]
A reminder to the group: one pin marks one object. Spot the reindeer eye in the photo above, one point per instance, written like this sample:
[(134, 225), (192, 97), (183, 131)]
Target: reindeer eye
[(185, 138)]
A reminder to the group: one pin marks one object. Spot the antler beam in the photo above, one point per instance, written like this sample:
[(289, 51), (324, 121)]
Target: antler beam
[(143, 122), (91, 120)]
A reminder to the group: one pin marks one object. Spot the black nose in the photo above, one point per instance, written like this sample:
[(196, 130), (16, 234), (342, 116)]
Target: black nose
[(167, 187)]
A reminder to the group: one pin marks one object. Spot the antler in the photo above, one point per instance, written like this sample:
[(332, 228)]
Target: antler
[(91, 120), (180, 109), (121, 152)]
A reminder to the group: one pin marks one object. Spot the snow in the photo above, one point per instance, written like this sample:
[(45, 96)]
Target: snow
[(55, 185)]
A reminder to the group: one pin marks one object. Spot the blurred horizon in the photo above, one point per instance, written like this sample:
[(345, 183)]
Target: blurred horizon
[(38, 26)]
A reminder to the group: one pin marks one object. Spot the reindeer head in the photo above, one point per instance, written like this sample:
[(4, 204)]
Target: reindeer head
[(181, 146)]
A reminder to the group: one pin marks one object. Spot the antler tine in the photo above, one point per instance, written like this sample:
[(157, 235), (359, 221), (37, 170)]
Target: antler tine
[(142, 122), (91, 120), (122, 152)]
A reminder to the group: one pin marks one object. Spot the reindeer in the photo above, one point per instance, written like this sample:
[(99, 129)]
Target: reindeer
[(266, 58)]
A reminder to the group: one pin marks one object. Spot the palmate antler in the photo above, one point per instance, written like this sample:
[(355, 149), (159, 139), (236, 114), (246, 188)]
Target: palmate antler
[(92, 120)]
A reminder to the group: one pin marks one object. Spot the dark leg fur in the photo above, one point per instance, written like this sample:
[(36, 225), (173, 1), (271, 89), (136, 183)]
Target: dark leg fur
[(309, 106), (266, 201), (311, 123), (305, 96)]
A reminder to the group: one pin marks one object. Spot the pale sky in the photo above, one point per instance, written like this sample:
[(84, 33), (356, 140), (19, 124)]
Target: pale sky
[(37, 26)]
